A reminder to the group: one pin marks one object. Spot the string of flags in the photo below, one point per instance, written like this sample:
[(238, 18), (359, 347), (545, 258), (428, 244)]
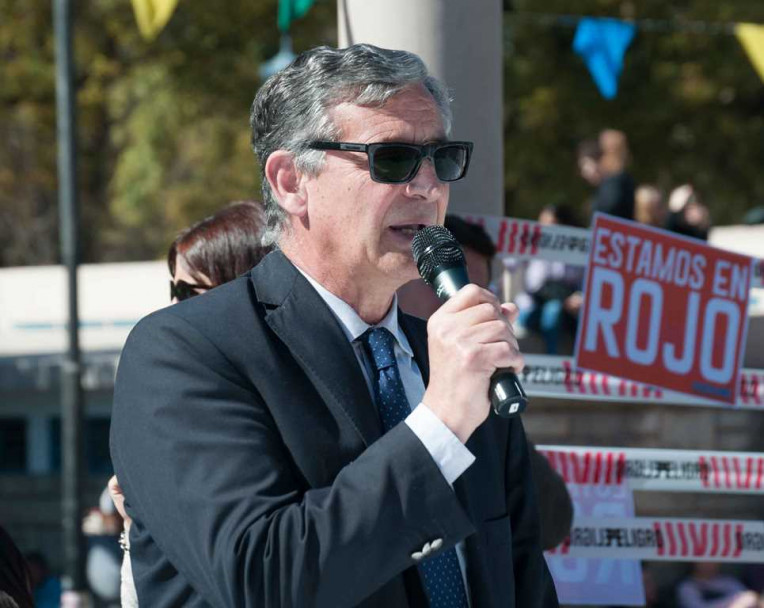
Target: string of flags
[(751, 36), (153, 15), (602, 42)]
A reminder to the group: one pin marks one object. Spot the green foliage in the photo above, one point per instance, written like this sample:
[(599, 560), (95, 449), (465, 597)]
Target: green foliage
[(163, 126)]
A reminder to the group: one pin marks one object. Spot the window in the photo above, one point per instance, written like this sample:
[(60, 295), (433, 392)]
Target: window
[(13, 445), (96, 445)]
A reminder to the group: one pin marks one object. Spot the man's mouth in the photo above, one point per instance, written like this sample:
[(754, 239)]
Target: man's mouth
[(407, 229)]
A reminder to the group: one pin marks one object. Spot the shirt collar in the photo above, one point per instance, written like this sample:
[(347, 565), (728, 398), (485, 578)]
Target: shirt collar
[(352, 324)]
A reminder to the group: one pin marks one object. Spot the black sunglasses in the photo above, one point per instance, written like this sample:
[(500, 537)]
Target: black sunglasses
[(398, 163), (181, 290)]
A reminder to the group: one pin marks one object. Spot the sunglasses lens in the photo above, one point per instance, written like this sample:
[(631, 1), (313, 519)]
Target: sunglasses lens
[(450, 162), (182, 291), (394, 164)]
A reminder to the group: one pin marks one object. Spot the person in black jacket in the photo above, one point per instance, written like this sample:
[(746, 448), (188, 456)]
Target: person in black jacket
[(291, 438), (603, 164)]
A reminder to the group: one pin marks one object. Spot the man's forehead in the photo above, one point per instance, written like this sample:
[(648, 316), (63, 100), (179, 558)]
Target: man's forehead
[(411, 115)]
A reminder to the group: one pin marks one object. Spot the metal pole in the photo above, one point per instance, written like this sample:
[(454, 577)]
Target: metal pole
[(71, 388)]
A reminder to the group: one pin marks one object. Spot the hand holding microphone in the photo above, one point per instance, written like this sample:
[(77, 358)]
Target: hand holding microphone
[(472, 347)]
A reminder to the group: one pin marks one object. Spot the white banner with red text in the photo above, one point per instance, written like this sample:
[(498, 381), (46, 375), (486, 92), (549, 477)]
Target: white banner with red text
[(669, 539), (527, 240), (598, 582), (659, 470), (558, 377)]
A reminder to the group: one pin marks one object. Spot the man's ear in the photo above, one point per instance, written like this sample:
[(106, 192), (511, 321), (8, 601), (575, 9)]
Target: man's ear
[(286, 182)]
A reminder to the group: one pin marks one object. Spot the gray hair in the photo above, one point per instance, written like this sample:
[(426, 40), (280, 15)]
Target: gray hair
[(292, 107)]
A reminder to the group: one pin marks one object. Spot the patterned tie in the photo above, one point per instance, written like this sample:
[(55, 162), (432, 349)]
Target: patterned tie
[(441, 574)]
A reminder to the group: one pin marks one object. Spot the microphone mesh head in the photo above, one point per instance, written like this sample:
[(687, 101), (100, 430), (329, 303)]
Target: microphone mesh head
[(434, 246)]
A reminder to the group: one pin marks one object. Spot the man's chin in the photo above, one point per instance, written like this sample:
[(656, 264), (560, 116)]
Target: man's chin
[(401, 266)]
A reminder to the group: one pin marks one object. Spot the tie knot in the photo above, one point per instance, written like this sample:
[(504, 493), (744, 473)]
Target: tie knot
[(380, 345)]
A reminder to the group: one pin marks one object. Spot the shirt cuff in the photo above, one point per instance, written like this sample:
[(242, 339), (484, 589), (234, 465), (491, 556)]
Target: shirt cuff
[(450, 454)]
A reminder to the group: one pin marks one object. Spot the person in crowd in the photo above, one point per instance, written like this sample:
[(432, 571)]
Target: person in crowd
[(588, 156), (101, 527), (551, 298), (707, 587), (216, 250), (209, 253), (46, 587), (649, 206), (602, 164), (754, 216), (15, 584), (418, 298), (291, 427), (687, 213)]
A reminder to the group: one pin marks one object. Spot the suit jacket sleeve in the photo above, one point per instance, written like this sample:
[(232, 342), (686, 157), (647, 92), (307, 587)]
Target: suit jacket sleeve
[(533, 582), (208, 475)]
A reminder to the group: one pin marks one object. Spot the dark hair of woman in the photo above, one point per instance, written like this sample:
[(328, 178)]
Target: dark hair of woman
[(222, 246)]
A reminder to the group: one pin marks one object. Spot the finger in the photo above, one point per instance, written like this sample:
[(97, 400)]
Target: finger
[(510, 311), (467, 296), (496, 330), (114, 488), (474, 315), (503, 355)]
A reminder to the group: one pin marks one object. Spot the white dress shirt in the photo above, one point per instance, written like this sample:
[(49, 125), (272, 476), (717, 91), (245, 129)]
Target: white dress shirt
[(450, 454)]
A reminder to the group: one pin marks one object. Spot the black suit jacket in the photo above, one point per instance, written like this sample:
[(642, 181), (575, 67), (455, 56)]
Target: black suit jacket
[(252, 459)]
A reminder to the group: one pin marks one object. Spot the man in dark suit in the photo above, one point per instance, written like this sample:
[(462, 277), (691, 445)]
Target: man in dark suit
[(290, 438)]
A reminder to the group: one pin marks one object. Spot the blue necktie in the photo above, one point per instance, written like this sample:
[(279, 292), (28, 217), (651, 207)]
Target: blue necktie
[(441, 574)]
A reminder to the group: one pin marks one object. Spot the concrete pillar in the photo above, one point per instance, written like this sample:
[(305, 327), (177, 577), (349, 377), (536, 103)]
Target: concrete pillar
[(461, 43)]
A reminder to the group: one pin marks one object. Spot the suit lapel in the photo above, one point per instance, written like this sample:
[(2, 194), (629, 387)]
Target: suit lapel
[(301, 319)]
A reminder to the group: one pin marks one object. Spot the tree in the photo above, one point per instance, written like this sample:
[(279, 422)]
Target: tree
[(163, 126), (690, 103)]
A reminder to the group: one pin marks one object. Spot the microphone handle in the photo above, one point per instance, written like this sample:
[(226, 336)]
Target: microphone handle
[(508, 399)]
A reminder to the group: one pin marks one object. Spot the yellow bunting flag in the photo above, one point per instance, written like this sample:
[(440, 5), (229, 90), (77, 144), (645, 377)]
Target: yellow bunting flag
[(751, 36), (153, 15)]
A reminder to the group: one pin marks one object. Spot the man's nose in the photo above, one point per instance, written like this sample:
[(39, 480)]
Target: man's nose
[(425, 183)]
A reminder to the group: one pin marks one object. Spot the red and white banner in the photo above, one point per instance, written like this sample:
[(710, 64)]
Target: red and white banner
[(669, 539), (659, 470), (598, 582), (664, 309), (527, 240), (559, 378)]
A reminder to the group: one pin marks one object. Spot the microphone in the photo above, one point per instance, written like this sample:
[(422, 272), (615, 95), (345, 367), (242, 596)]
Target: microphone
[(441, 264)]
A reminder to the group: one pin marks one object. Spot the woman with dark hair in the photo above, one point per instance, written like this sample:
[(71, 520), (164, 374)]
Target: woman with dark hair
[(207, 254), (216, 249)]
